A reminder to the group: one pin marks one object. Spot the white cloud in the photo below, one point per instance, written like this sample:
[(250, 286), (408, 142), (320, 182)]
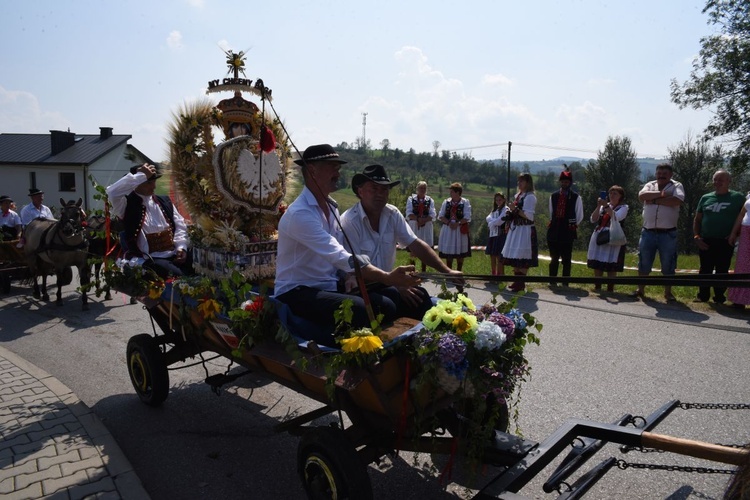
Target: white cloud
[(496, 80), (21, 113), (174, 40), (196, 3)]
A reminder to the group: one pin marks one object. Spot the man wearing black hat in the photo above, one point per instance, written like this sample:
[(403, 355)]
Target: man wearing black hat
[(374, 228), (36, 209), (565, 214), (10, 221), (155, 232), (310, 253)]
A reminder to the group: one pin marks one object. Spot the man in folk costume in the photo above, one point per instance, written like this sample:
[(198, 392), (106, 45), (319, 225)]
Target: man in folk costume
[(155, 232), (566, 213)]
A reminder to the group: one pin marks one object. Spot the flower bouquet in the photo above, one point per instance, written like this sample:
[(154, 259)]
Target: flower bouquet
[(476, 354)]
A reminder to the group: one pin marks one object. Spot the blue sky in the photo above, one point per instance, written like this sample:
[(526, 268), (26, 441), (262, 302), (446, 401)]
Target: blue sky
[(563, 74)]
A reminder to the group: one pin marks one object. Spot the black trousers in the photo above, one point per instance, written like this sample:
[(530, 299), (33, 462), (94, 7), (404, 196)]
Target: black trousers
[(718, 258), (318, 306), (166, 268), (560, 250)]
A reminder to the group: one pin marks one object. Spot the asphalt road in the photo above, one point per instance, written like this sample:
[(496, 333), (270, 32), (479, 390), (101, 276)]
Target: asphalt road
[(599, 359)]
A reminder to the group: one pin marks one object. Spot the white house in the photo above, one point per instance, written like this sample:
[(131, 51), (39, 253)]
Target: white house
[(60, 163)]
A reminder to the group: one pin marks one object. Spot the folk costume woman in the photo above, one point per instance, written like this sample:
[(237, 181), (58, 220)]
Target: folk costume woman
[(420, 212), (609, 258), (740, 297), (497, 226), (455, 214), (521, 249)]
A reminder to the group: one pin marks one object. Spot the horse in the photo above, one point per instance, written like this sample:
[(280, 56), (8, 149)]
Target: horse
[(96, 234), (58, 245)]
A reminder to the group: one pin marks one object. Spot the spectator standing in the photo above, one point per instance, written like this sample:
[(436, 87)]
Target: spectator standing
[(155, 231), (521, 249), (609, 258), (10, 221), (661, 200), (420, 212), (740, 297), (455, 214), (714, 220), (565, 214), (496, 240), (36, 209)]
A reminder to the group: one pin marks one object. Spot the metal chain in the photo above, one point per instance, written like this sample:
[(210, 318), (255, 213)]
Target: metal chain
[(715, 406), (622, 465)]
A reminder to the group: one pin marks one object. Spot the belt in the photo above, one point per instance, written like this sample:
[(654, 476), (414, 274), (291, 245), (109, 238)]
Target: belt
[(658, 230)]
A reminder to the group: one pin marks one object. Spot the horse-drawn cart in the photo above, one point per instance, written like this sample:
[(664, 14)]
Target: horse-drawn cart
[(385, 411), (13, 265)]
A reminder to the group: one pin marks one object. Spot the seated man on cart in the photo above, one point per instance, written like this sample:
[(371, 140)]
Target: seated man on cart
[(155, 232), (310, 254), (10, 221), (374, 228)]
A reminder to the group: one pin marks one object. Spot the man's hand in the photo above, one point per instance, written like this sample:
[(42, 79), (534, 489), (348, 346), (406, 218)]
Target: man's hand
[(456, 277), (402, 277), (702, 245), (410, 295), (147, 169)]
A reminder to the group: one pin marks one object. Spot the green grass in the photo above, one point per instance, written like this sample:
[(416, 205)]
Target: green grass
[(479, 263)]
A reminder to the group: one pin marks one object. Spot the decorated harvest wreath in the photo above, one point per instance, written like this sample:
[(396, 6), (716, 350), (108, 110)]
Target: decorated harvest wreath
[(233, 190)]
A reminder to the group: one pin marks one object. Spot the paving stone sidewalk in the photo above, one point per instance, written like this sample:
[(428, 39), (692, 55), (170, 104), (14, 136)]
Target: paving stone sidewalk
[(52, 445)]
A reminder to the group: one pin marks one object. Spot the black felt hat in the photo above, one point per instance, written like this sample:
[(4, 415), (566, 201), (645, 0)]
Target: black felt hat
[(5, 197), (374, 173), (134, 170), (319, 152), (35, 191)]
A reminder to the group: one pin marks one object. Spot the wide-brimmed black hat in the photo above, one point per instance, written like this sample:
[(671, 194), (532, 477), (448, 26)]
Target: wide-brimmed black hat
[(319, 152), (35, 191), (134, 170), (374, 173), (5, 197)]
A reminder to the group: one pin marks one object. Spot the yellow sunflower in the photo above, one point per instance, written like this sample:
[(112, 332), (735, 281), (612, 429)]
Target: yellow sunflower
[(209, 308), (362, 343), (464, 323), (432, 318)]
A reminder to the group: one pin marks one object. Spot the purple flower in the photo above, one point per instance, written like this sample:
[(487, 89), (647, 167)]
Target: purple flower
[(451, 349), (505, 323)]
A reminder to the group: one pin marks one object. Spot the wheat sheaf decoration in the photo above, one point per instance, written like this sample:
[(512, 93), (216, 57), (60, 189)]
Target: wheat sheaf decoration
[(215, 195)]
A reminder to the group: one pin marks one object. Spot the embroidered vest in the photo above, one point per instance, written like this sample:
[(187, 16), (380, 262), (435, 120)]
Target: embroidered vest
[(135, 214)]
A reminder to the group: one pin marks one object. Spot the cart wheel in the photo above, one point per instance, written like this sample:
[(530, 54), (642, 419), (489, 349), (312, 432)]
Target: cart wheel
[(147, 369), (330, 468)]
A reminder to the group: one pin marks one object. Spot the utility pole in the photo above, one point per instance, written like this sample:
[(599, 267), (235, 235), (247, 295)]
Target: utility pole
[(364, 133), (507, 187)]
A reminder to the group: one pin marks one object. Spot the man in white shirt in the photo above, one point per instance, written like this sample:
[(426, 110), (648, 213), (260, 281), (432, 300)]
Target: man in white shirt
[(155, 232), (36, 209), (10, 221), (661, 200), (374, 228), (310, 254)]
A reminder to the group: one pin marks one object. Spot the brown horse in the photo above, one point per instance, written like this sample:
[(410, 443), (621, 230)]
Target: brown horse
[(58, 245)]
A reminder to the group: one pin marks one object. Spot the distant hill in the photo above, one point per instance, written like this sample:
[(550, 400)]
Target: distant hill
[(647, 165)]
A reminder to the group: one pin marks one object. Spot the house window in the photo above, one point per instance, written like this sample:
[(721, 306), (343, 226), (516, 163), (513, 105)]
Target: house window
[(67, 181)]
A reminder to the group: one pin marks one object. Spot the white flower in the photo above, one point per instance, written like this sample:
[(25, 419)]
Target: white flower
[(489, 336)]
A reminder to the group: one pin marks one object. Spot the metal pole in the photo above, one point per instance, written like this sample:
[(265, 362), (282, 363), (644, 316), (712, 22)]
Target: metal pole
[(507, 186)]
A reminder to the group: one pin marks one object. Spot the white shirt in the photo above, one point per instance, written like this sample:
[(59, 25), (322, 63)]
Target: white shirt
[(578, 208), (30, 212), (154, 222), (661, 216), (309, 249), (495, 220), (11, 219), (379, 246)]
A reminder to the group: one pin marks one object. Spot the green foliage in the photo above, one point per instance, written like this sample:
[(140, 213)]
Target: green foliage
[(719, 78)]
